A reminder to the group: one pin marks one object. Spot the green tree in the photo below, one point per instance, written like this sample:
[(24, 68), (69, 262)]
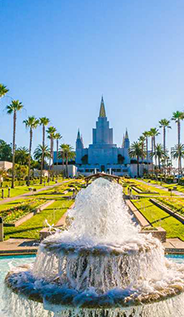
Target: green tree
[(58, 137), (43, 122), (5, 151), (13, 108), (3, 90), (158, 154), (164, 124), (178, 152), (136, 151), (178, 116), (31, 123), (51, 135), (38, 152), (22, 156), (67, 153)]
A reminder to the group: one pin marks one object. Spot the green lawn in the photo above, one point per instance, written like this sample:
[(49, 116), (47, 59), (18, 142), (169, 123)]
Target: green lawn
[(31, 228), (159, 218), (20, 190)]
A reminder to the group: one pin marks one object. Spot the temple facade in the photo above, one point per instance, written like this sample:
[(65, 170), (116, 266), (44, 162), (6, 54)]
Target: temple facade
[(103, 155)]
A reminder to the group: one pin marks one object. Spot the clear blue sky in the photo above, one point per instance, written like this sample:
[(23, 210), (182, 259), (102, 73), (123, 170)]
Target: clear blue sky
[(58, 57)]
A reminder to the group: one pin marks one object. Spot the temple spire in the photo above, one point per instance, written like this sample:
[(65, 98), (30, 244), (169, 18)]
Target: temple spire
[(78, 134), (126, 134), (102, 113)]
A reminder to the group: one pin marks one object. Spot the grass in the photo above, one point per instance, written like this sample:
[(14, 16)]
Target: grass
[(53, 213), (31, 228), (20, 190), (159, 218)]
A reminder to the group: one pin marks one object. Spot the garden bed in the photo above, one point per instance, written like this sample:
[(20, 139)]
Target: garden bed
[(168, 210), (23, 209)]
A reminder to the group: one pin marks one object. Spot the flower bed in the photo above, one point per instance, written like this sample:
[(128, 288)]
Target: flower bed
[(10, 216)]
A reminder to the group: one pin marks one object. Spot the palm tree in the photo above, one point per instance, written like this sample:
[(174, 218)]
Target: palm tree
[(136, 151), (142, 140), (14, 107), (164, 124), (158, 154), (31, 123), (146, 134), (67, 154), (51, 135), (39, 151), (58, 137), (177, 117), (178, 153), (43, 122), (153, 133), (3, 90)]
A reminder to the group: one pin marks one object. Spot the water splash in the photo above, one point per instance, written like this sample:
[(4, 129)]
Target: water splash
[(100, 261)]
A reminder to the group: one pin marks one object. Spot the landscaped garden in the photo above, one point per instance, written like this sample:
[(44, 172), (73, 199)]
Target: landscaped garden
[(62, 196)]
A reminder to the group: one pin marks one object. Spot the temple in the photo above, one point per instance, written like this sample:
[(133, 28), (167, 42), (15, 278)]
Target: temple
[(103, 155)]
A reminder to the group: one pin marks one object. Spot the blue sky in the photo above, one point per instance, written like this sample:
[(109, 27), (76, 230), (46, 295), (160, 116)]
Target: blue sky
[(58, 57)]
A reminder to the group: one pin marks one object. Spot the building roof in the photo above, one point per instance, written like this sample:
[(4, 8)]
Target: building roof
[(102, 113)]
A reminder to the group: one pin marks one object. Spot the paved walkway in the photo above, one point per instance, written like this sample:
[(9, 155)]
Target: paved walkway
[(31, 193), (176, 192)]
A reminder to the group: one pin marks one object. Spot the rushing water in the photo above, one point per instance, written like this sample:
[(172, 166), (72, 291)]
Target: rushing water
[(100, 266)]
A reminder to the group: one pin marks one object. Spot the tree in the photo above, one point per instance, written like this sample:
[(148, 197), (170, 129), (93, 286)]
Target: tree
[(51, 135), (146, 134), (39, 151), (142, 143), (3, 90), (164, 124), (5, 151), (136, 151), (67, 154), (158, 154), (13, 108), (153, 133), (31, 123), (43, 122), (58, 137), (22, 156), (177, 117), (178, 153)]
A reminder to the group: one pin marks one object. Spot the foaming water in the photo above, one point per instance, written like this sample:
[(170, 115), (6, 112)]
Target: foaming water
[(101, 265)]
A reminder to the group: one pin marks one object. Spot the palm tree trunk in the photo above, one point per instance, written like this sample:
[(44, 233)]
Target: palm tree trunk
[(164, 139), (152, 142), (179, 141), (147, 154), (63, 163), (137, 166), (57, 150), (29, 161), (42, 162), (13, 158), (66, 165)]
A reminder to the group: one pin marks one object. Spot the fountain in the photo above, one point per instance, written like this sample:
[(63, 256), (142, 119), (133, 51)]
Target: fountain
[(100, 266)]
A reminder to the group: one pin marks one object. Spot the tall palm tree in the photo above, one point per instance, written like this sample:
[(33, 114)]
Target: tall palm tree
[(142, 140), (3, 90), (14, 107), (31, 123), (43, 122), (158, 154), (39, 150), (136, 151), (178, 152), (66, 154), (62, 156), (58, 137), (164, 124), (153, 133), (146, 134), (178, 116), (51, 135)]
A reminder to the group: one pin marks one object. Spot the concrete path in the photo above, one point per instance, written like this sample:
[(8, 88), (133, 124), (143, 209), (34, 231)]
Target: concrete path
[(31, 193), (175, 192)]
